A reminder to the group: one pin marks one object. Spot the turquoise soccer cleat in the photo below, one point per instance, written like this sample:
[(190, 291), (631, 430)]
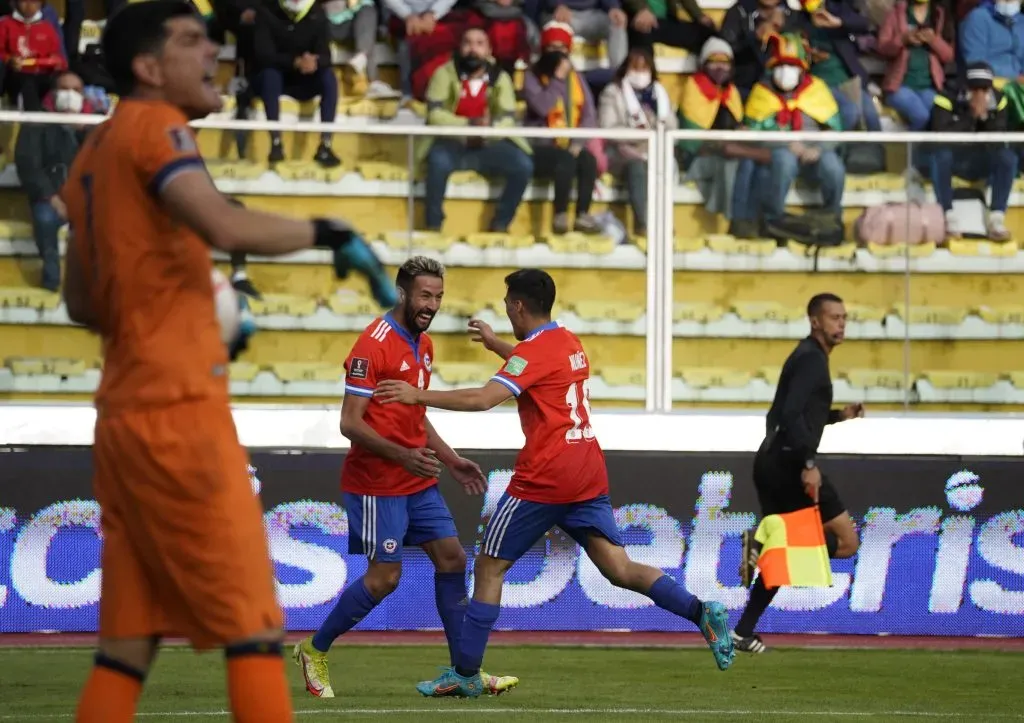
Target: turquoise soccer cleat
[(452, 685), (714, 626)]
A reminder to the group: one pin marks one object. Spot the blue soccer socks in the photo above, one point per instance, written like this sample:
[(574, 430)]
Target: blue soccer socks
[(450, 594), (476, 629), (353, 605), (669, 595)]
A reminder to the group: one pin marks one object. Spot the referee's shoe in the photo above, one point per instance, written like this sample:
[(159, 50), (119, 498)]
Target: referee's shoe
[(748, 565), (753, 644)]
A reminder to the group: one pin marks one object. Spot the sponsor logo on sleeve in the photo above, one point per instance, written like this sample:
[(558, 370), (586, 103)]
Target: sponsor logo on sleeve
[(182, 140), (515, 366), (359, 368)]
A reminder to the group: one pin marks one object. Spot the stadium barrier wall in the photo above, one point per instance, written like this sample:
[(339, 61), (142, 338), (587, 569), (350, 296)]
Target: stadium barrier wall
[(937, 499)]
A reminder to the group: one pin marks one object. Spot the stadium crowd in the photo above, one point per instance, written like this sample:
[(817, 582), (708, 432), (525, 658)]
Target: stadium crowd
[(947, 65)]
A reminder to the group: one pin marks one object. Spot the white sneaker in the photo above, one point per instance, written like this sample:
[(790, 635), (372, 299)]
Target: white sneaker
[(379, 90), (358, 63), (997, 230), (952, 225)]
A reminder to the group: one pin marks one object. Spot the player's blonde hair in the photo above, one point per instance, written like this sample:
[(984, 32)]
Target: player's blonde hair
[(418, 266)]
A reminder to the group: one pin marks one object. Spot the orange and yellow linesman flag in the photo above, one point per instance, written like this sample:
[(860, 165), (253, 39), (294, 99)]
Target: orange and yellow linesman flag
[(793, 550)]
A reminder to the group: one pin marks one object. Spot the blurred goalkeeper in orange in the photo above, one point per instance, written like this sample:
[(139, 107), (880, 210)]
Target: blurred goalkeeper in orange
[(184, 550)]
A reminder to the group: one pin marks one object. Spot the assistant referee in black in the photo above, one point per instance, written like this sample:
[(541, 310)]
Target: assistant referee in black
[(786, 473)]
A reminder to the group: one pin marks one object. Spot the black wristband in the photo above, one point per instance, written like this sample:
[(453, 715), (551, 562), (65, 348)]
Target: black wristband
[(328, 235)]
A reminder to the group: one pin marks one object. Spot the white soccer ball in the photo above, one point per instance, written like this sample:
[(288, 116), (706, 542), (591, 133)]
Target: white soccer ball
[(229, 311)]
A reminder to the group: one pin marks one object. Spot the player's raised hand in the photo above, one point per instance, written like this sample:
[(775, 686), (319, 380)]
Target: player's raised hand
[(353, 253), (421, 462), (468, 474), (393, 390)]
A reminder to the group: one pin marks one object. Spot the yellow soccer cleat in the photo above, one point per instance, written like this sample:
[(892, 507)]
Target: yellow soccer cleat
[(314, 668), (498, 684)]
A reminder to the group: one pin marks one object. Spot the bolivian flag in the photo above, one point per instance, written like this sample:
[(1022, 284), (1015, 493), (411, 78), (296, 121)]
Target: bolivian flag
[(793, 550)]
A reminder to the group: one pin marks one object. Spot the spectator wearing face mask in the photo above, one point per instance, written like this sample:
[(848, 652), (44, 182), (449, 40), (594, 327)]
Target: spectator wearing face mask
[(292, 57), (710, 101), (974, 107), (791, 99), (911, 38), (594, 21), (557, 97), (470, 90), (634, 99), (994, 34), (746, 27), (31, 52), (43, 154)]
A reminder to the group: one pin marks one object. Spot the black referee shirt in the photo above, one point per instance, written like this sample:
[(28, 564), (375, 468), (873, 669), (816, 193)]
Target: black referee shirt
[(803, 401)]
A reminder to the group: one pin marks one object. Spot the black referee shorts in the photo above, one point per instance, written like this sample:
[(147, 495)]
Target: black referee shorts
[(780, 489)]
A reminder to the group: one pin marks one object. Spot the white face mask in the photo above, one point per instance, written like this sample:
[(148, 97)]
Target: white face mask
[(1009, 8), (786, 77), (68, 101), (639, 79)]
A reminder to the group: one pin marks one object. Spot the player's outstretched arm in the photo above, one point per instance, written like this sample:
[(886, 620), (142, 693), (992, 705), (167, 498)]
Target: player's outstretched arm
[(75, 291), (482, 333), (421, 462), (479, 399)]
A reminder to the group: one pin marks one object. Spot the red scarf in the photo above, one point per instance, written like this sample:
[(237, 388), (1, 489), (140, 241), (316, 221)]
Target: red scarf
[(711, 91), (790, 116)]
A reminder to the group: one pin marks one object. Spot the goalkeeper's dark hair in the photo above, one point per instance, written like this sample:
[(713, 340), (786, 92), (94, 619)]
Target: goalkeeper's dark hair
[(818, 301), (415, 267), (138, 29), (535, 288)]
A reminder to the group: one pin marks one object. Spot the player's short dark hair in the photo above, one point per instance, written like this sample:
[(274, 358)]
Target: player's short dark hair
[(534, 287), (818, 301), (138, 29), (417, 266)]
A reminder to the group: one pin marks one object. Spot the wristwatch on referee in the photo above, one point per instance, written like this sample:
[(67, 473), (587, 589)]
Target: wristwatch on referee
[(809, 464)]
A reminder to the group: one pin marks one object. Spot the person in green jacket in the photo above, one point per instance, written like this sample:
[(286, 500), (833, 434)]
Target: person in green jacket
[(471, 90)]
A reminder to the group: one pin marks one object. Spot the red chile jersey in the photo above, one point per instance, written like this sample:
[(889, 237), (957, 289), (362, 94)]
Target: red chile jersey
[(385, 350), (561, 462)]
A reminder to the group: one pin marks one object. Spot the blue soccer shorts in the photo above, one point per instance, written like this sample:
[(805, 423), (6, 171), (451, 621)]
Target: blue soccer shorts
[(379, 527), (517, 525)]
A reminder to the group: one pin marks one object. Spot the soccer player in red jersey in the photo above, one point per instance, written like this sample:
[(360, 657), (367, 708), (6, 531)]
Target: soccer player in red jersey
[(559, 478), (389, 477)]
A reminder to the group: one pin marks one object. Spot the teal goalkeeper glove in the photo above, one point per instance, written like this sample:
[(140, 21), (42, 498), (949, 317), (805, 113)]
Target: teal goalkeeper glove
[(353, 253)]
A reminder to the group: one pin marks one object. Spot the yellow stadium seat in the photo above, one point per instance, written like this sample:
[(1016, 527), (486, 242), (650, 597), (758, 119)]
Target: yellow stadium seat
[(29, 298), (382, 171), (961, 379), (1004, 314), (844, 251), (464, 373), (914, 251), (307, 371), (15, 230), (699, 311), (418, 107), (309, 171), (966, 247), (613, 310), (687, 244), (499, 241), (715, 377), (352, 303), (1016, 379), (46, 366), (578, 243), (767, 311), (462, 178), (875, 182), (874, 378), (615, 376), (285, 304), (668, 51), (859, 313), (243, 371), (370, 108), (466, 308), (725, 244), (940, 315), (770, 374), (430, 240), (234, 170)]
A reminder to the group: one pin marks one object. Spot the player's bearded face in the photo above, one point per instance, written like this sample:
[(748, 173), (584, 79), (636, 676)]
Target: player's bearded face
[(188, 66), (423, 302)]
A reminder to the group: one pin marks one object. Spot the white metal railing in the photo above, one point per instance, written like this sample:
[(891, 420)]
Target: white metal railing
[(661, 145)]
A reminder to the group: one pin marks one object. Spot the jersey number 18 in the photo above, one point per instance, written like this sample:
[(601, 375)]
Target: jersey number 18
[(579, 395)]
